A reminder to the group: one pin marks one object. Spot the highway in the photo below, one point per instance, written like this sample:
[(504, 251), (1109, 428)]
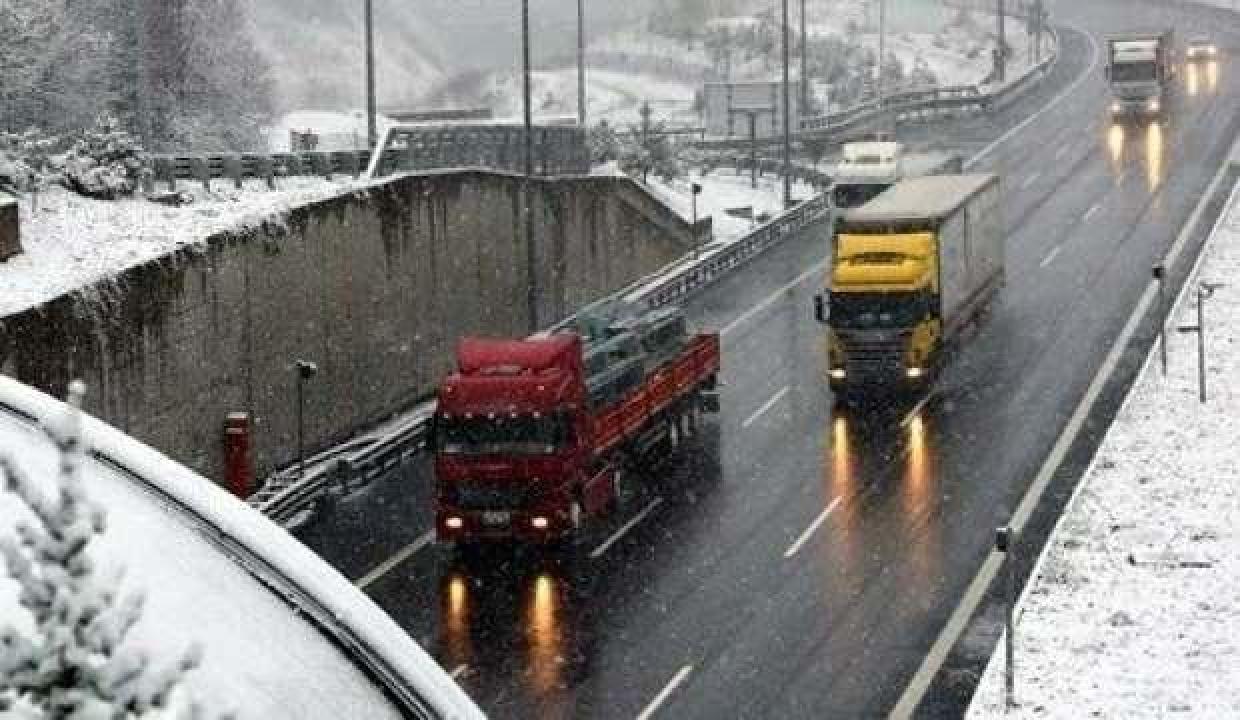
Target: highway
[(795, 561)]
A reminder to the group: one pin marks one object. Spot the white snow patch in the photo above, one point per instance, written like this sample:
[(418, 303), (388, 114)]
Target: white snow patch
[(1134, 608)]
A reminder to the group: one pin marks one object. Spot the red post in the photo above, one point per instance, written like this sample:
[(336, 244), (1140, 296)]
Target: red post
[(239, 471)]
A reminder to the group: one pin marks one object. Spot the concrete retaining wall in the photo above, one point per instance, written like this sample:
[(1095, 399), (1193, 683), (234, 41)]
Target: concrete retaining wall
[(374, 286)]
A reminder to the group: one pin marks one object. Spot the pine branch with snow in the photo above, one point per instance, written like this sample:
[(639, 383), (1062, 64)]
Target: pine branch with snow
[(75, 664), (105, 162)]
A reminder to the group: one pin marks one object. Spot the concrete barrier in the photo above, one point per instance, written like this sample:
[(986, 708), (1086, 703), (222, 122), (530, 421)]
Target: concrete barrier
[(374, 286)]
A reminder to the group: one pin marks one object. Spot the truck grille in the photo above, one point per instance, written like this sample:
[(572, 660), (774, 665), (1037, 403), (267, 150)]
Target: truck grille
[(874, 355), (475, 495)]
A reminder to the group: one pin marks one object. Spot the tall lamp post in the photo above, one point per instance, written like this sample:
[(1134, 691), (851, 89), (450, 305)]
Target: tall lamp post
[(787, 119), (581, 63), (696, 190), (372, 126), (804, 63), (531, 257), (882, 46), (305, 371)]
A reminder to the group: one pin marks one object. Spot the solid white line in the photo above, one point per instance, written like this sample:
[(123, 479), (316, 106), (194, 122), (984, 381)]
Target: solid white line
[(662, 697), (1050, 257), (1068, 91), (598, 551), (766, 407), (773, 297), (933, 661), (1030, 180), (1063, 150), (387, 565), (813, 528), (1090, 212), (458, 672)]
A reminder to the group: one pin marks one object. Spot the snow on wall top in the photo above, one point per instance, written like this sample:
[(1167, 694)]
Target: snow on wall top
[(72, 242), (259, 657)]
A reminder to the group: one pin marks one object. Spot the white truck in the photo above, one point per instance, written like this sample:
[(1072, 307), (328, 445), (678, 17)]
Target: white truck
[(1140, 69), (868, 168)]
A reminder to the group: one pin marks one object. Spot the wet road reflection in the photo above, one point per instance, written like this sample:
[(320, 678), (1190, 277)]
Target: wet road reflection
[(1115, 147), (1154, 146)]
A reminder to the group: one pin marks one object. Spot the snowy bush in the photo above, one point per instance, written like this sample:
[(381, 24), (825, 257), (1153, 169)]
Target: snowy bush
[(28, 159), (74, 664), (105, 162), (646, 149)]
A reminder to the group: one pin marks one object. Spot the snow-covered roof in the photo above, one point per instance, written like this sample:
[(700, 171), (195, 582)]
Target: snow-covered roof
[(283, 634)]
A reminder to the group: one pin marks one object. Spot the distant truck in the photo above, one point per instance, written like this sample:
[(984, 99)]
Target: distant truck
[(910, 269), (1140, 67), (868, 168), (531, 437)]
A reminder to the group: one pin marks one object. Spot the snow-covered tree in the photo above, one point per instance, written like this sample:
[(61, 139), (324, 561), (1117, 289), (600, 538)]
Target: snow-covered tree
[(105, 162), (604, 143), (647, 149), (75, 664)]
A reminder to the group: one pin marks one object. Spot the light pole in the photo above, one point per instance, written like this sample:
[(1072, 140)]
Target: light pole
[(787, 119), (1001, 56), (372, 127), (305, 371), (531, 257), (882, 46), (696, 190), (804, 63), (581, 63)]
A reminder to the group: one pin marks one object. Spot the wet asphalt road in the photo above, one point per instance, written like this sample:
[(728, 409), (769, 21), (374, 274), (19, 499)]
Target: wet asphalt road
[(795, 561)]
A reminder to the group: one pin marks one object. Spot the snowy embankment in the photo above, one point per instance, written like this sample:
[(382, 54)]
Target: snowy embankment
[(1133, 610), (721, 190), (71, 242)]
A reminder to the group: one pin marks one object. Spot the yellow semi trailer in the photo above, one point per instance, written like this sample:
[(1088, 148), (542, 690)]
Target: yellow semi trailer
[(909, 270)]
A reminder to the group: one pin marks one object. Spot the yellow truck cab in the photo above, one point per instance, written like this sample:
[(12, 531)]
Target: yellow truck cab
[(909, 269)]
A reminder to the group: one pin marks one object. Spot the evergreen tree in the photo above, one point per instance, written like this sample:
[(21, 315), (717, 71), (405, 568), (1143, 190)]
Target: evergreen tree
[(75, 665), (647, 149)]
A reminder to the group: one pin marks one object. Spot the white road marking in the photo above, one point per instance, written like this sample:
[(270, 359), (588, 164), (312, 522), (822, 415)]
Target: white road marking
[(1093, 63), (662, 697), (458, 672), (773, 298), (388, 565), (1030, 180), (598, 551), (916, 409), (1090, 212), (813, 528), (933, 661), (1050, 257), (765, 407), (1063, 150)]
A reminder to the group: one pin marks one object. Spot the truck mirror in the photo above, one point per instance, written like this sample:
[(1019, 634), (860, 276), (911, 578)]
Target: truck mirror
[(820, 309)]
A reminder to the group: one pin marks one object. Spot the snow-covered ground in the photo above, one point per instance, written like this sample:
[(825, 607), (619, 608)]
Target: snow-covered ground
[(723, 189), (71, 242), (1134, 608)]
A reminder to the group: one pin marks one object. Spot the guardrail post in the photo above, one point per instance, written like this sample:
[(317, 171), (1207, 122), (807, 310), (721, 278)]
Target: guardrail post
[(1003, 542)]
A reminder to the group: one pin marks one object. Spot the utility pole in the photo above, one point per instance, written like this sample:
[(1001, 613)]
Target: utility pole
[(787, 119), (581, 63), (804, 63), (882, 45), (1001, 51), (372, 127), (531, 257)]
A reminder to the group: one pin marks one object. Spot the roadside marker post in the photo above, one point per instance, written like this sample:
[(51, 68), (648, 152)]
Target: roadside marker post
[(1204, 292), (1003, 543), (1160, 274)]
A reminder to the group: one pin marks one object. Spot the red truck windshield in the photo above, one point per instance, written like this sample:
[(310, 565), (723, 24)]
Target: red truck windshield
[(501, 435)]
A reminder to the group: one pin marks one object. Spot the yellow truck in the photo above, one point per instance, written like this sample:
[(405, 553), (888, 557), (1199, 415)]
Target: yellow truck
[(910, 269)]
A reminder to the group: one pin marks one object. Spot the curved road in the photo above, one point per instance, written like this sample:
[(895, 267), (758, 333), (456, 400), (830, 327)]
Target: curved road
[(796, 561)]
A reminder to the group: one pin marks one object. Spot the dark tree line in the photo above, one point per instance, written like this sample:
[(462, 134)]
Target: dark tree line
[(179, 74)]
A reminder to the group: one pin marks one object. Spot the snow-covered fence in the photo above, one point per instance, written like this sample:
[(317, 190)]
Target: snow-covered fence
[(10, 229)]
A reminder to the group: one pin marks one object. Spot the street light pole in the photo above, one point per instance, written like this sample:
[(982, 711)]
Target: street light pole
[(1001, 68), (882, 46), (305, 371), (372, 126), (804, 63), (787, 119), (531, 257), (581, 63)]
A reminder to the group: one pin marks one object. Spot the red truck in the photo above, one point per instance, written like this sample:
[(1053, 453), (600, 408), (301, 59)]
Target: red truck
[(533, 436)]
